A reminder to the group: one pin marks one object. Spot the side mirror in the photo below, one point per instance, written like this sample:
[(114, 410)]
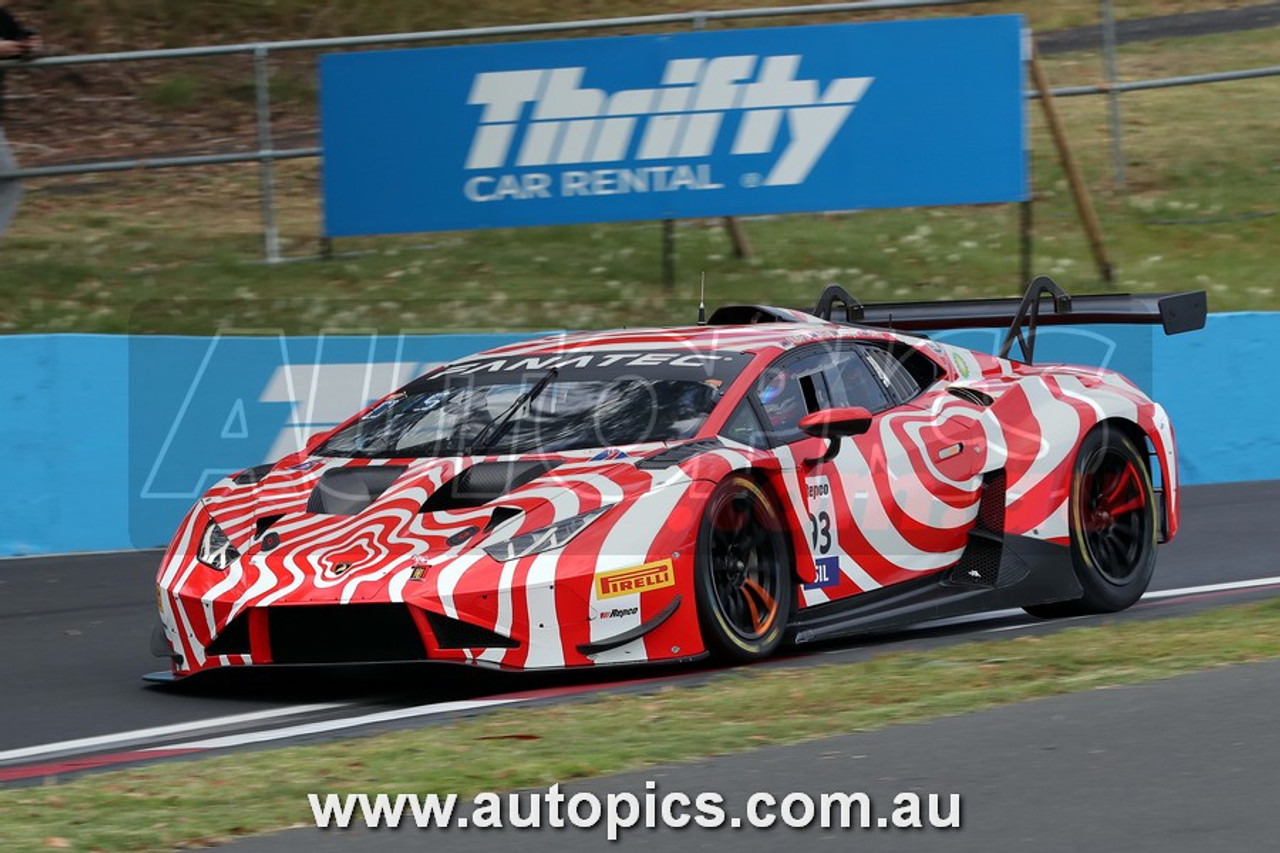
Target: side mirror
[(827, 423), (835, 424), (314, 440)]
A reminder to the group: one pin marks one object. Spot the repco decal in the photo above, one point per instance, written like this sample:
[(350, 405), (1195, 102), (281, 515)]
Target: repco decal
[(618, 613), (638, 579)]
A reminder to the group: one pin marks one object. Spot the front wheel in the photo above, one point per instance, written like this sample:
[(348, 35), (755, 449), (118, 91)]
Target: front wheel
[(1113, 526), (743, 572)]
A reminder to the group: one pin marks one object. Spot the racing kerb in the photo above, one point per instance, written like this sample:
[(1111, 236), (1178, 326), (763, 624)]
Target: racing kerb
[(110, 439)]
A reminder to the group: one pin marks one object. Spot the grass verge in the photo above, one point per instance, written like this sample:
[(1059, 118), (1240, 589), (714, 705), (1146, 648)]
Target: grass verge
[(186, 803), (1200, 212)]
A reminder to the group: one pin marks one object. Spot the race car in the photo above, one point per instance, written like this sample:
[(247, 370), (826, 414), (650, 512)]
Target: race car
[(768, 476)]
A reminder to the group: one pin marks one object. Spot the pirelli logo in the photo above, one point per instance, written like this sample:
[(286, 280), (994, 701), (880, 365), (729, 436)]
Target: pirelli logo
[(639, 579)]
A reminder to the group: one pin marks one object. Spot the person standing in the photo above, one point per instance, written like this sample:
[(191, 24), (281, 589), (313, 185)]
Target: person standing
[(16, 42)]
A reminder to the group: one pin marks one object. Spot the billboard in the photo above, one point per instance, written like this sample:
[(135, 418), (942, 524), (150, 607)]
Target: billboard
[(736, 122)]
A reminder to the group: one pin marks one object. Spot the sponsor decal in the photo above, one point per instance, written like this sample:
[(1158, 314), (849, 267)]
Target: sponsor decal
[(545, 118), (307, 465), (827, 575), (644, 578), (537, 364), (610, 454), (823, 535), (796, 340), (420, 563), (618, 613)]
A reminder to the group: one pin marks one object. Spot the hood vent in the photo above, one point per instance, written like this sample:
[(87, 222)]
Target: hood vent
[(680, 453), (501, 514), (485, 482), (250, 476), (264, 524), (348, 491)]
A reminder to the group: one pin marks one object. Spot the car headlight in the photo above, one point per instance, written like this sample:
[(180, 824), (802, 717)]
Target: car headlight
[(216, 550), (544, 539)]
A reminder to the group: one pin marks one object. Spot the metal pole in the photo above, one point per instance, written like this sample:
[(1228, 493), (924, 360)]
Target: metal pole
[(266, 169), (668, 253), (1025, 238), (1113, 96), (1079, 191)]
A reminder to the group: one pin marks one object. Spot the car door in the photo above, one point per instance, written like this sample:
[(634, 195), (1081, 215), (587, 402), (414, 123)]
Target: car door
[(875, 515)]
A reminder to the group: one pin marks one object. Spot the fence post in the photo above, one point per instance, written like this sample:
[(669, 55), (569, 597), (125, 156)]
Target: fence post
[(1113, 96), (266, 162), (668, 253), (1079, 191)]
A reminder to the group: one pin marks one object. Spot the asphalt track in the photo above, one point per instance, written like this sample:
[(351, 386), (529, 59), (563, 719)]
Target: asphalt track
[(75, 636)]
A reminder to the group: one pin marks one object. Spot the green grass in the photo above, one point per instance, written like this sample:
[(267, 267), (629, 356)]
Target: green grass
[(184, 803), (1200, 212)]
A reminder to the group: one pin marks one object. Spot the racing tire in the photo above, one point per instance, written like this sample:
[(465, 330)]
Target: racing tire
[(745, 588), (1113, 523)]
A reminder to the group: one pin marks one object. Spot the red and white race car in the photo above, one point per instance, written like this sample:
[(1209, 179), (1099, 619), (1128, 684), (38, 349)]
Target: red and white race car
[(663, 494)]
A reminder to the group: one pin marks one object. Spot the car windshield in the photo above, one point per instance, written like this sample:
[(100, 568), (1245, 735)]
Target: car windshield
[(544, 404)]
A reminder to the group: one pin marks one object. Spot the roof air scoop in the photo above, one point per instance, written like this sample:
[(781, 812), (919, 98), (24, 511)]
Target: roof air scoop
[(746, 315)]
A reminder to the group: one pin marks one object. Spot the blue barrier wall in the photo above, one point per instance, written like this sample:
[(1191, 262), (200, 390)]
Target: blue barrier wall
[(110, 439)]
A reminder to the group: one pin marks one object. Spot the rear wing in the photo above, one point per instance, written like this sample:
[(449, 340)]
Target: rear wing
[(1176, 312)]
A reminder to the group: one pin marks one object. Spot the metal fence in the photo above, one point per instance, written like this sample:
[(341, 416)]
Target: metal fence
[(266, 154)]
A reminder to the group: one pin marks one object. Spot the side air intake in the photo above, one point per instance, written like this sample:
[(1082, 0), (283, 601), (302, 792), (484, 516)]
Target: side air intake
[(456, 634), (980, 563)]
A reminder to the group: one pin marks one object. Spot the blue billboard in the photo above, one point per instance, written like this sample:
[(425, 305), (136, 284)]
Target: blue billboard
[(735, 122)]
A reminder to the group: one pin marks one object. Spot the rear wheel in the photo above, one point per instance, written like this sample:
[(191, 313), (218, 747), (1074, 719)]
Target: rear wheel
[(1113, 526), (743, 572)]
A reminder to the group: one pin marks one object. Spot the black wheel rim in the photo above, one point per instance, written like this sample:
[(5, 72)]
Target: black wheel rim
[(744, 548), (1115, 514)]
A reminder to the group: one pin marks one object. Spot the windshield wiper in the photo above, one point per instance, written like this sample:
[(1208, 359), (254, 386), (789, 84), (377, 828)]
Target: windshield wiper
[(496, 428)]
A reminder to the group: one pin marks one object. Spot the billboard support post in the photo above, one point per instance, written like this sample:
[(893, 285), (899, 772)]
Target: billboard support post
[(669, 253), (741, 247), (1079, 192), (1025, 237), (266, 167)]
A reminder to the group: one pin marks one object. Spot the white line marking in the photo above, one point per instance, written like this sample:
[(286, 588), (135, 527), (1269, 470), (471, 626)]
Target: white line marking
[(303, 729), (1154, 595), (73, 554), (1213, 587), (151, 734), (1056, 621)]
